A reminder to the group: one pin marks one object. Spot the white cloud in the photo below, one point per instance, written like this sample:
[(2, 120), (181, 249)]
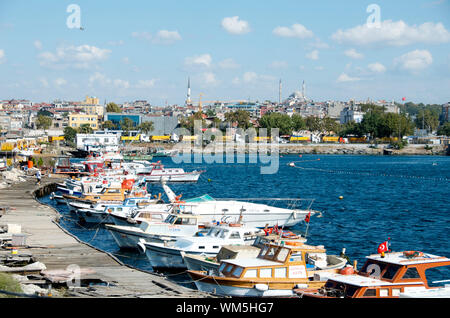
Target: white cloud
[(394, 34), (414, 61), (37, 44), (228, 64), (209, 78), (100, 79), (80, 57), (279, 64), (198, 60), (126, 60), (345, 78), (44, 82), (318, 44), (161, 37), (2, 56), (252, 77), (60, 82), (146, 83), (167, 37), (295, 31), (377, 67), (313, 55), (118, 83), (353, 54), (249, 76), (142, 35), (235, 26), (116, 43)]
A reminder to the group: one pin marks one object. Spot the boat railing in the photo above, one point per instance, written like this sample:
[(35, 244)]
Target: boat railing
[(292, 203)]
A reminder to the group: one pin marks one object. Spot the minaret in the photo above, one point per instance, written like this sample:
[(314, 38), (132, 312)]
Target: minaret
[(279, 93), (303, 90), (188, 99)]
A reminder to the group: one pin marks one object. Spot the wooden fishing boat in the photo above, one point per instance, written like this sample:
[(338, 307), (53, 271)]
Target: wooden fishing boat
[(210, 264), (276, 272), (386, 275)]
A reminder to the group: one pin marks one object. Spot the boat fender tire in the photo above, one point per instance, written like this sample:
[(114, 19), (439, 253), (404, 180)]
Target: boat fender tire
[(262, 287)]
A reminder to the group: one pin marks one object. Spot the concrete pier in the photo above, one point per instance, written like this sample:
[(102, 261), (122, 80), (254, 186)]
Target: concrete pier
[(57, 249)]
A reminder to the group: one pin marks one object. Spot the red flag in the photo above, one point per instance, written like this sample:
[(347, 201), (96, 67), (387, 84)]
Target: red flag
[(308, 217), (383, 247)]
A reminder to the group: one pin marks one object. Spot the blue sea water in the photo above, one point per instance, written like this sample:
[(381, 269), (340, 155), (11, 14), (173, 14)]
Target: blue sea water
[(403, 198)]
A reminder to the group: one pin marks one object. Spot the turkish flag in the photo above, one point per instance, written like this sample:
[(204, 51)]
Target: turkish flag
[(308, 217), (383, 247)]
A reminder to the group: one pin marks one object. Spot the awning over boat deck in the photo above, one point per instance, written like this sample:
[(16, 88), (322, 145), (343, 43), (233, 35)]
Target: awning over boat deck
[(203, 198)]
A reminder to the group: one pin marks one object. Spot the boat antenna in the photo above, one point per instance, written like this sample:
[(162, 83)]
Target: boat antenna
[(240, 215)]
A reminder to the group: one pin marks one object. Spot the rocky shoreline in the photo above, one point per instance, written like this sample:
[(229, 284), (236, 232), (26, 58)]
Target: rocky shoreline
[(329, 149)]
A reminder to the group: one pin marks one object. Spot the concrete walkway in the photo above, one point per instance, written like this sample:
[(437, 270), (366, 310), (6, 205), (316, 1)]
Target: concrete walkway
[(58, 249)]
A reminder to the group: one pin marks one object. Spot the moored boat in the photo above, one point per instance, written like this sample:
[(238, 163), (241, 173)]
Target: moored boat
[(162, 230), (276, 272), (168, 255), (386, 275)]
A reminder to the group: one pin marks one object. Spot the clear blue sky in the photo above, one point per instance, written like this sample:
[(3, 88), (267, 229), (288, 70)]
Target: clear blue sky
[(230, 49)]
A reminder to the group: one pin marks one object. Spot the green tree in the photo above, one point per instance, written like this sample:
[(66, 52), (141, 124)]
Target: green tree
[(85, 129), (298, 123), (146, 127), (70, 134), (427, 119), (330, 125), (277, 120), (444, 130), (241, 117), (126, 124), (113, 108), (109, 125), (372, 123), (43, 122), (189, 122), (351, 128), (314, 124)]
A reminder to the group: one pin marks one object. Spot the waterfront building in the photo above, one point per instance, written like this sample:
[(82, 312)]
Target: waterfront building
[(103, 138), (445, 112), (77, 120), (351, 113), (91, 101)]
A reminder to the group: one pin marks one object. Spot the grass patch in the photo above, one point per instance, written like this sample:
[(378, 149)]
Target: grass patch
[(8, 283)]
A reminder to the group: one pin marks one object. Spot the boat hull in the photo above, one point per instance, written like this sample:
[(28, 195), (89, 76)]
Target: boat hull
[(93, 217), (164, 258)]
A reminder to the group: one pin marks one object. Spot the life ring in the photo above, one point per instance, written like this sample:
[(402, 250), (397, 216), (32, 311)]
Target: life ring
[(411, 254), (293, 243), (289, 234)]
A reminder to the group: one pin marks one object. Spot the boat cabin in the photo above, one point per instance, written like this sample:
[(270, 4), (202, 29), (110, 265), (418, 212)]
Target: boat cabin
[(388, 276), (275, 261)]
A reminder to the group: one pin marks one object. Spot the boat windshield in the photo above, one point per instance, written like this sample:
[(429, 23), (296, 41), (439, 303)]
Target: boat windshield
[(170, 219), (214, 232), (373, 269)]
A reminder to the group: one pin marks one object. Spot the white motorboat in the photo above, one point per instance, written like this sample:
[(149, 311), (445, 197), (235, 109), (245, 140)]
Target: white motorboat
[(157, 173), (168, 255), (170, 228), (240, 211), (100, 212)]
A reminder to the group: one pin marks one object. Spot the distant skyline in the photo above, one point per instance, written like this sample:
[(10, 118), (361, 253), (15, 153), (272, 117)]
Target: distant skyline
[(233, 50)]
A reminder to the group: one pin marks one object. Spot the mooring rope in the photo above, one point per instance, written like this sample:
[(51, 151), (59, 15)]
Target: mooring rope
[(370, 173)]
